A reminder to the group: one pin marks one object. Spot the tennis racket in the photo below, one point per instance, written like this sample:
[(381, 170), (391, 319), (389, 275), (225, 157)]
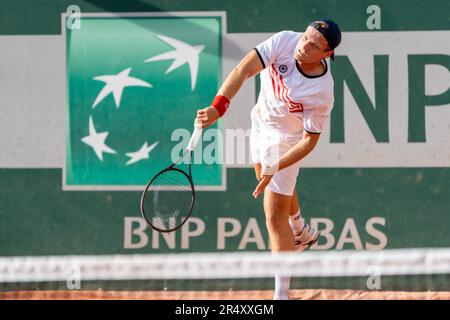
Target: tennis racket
[(168, 199)]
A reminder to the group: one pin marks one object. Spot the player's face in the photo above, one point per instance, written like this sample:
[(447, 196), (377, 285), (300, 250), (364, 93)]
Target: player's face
[(312, 47)]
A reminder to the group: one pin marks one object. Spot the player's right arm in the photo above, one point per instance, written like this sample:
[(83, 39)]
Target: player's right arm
[(249, 66)]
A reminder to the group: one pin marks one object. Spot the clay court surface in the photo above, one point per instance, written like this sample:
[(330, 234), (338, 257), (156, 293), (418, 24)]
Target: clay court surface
[(310, 294)]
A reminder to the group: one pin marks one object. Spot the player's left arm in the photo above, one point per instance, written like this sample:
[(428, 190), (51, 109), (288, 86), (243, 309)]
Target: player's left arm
[(295, 154), (247, 68)]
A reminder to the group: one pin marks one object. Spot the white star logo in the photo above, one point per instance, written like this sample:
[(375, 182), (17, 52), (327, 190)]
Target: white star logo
[(97, 141), (141, 154), (116, 83), (183, 53)]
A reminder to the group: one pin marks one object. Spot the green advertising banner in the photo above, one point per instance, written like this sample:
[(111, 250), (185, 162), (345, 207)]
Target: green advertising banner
[(134, 86)]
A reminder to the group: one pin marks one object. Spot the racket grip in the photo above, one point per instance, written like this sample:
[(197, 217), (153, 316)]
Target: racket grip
[(194, 139)]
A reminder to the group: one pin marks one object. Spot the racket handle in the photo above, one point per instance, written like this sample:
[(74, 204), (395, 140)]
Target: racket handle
[(194, 139)]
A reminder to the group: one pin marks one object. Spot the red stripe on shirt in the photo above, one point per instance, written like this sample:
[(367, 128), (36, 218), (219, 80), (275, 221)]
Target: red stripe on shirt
[(273, 84), (298, 107), (281, 91)]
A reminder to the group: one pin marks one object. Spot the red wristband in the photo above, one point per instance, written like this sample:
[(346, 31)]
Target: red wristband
[(221, 103)]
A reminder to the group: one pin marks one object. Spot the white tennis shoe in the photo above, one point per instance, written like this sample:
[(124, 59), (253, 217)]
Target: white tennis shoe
[(306, 238)]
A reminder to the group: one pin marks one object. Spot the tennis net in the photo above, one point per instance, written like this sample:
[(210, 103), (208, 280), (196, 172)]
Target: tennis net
[(240, 275)]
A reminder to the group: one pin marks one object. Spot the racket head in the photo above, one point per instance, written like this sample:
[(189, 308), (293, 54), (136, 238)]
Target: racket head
[(168, 200)]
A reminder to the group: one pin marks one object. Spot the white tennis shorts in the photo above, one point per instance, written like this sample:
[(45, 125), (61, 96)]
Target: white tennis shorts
[(267, 146)]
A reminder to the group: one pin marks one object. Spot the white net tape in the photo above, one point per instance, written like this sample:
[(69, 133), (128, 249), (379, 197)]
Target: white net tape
[(226, 265)]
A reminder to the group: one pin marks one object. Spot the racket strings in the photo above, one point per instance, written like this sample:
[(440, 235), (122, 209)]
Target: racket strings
[(168, 200)]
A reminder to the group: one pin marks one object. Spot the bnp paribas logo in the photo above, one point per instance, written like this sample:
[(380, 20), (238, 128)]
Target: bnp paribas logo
[(134, 83)]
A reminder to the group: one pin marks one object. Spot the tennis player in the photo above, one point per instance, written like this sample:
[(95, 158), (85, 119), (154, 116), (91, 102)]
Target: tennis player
[(294, 103)]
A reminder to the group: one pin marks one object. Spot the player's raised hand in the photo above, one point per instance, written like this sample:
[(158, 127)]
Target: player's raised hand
[(206, 117), (265, 180)]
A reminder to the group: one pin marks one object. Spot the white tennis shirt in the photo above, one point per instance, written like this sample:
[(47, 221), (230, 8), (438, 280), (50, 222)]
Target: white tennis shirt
[(289, 100)]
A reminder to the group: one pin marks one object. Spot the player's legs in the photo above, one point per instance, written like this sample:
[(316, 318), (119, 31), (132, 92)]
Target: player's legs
[(276, 208), (304, 235), (295, 205), (295, 218)]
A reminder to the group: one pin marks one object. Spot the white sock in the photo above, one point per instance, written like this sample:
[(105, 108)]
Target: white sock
[(281, 287), (296, 222)]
